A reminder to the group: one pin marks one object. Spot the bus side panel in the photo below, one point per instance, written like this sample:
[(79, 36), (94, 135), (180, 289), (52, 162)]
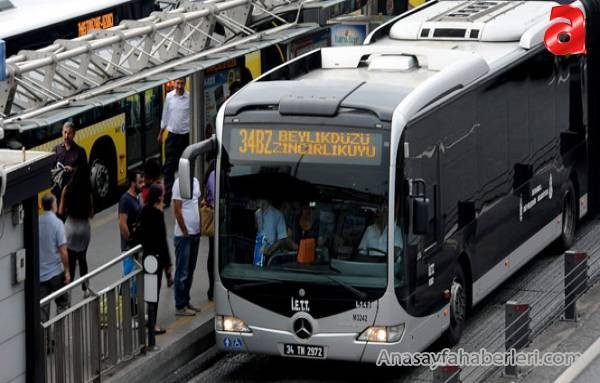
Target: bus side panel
[(527, 220), (592, 78), (433, 265)]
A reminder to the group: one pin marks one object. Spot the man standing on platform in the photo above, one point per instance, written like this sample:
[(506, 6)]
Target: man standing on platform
[(187, 242), (129, 211), (69, 156), (54, 260), (175, 119)]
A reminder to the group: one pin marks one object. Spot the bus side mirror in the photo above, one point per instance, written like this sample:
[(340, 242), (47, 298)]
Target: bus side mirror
[(187, 164), (186, 173), (420, 215)]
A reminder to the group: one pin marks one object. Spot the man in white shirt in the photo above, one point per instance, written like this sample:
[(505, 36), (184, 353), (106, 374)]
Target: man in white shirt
[(175, 119), (187, 242), (375, 239)]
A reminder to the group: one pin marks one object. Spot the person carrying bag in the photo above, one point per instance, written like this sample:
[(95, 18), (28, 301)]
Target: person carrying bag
[(207, 218)]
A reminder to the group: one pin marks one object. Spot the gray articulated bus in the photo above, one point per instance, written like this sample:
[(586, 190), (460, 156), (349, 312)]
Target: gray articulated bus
[(369, 196)]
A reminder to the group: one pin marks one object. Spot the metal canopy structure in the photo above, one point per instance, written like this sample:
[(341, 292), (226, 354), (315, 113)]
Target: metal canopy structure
[(74, 70), (131, 85)]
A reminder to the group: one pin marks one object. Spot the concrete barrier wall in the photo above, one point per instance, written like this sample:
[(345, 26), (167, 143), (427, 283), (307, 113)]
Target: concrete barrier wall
[(12, 303)]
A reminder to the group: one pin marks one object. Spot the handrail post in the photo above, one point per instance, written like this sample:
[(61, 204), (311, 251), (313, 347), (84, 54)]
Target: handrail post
[(446, 374), (126, 321), (141, 309), (576, 280), (517, 331), (76, 341), (96, 339), (111, 311)]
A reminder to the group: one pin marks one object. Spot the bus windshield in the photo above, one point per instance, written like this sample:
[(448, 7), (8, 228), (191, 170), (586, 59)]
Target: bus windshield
[(308, 207)]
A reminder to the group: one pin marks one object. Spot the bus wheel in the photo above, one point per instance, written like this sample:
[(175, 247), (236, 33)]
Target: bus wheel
[(102, 181), (458, 308), (569, 217)]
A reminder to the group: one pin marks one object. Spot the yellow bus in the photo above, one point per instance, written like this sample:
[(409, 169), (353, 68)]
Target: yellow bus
[(118, 130)]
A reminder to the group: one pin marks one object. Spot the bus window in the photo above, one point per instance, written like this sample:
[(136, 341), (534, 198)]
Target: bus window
[(423, 163), (542, 104), (308, 217), (492, 120), (518, 118)]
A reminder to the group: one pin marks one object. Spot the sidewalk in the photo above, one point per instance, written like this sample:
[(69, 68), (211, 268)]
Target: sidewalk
[(185, 335)]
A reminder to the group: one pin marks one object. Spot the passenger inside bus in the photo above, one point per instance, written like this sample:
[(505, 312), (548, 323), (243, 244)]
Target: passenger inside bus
[(305, 233), (271, 223), (305, 226)]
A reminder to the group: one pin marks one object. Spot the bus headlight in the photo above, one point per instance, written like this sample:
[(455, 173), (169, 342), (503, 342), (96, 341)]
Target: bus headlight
[(382, 334), (230, 323)]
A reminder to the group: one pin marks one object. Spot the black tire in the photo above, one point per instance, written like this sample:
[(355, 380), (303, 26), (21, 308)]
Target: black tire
[(458, 308), (104, 180), (569, 217)]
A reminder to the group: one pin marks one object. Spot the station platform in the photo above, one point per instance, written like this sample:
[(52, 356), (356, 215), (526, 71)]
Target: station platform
[(186, 337)]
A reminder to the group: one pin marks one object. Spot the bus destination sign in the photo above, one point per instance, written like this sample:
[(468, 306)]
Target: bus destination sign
[(289, 145), (95, 23)]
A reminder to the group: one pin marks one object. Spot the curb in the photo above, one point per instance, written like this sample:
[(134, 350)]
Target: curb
[(185, 344)]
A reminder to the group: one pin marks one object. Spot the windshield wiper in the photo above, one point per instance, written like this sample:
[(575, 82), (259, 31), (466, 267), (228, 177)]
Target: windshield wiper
[(262, 282), (357, 293)]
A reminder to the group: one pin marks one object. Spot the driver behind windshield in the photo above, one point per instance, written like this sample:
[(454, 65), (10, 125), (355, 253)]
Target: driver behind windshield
[(374, 240)]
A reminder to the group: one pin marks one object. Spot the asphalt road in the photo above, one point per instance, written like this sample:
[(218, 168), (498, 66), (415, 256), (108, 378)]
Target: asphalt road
[(539, 283)]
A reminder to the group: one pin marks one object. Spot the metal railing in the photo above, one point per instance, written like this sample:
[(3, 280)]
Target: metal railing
[(528, 318), (94, 335)]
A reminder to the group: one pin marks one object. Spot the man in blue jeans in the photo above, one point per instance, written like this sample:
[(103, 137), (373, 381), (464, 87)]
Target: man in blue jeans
[(187, 242), (129, 210)]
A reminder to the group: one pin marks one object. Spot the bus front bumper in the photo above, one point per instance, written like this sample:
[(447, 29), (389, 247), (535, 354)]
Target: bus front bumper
[(335, 346)]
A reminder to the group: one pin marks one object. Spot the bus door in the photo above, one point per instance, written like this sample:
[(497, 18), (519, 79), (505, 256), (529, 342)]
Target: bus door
[(133, 128), (429, 256), (152, 115)]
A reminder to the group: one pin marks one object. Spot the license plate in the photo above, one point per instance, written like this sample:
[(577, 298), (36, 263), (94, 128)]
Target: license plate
[(303, 351)]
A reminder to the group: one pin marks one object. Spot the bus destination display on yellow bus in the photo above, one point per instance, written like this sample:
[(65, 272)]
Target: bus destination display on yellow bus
[(357, 147)]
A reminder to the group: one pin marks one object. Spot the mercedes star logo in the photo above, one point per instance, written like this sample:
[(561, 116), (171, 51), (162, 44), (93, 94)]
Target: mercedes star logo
[(302, 328)]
